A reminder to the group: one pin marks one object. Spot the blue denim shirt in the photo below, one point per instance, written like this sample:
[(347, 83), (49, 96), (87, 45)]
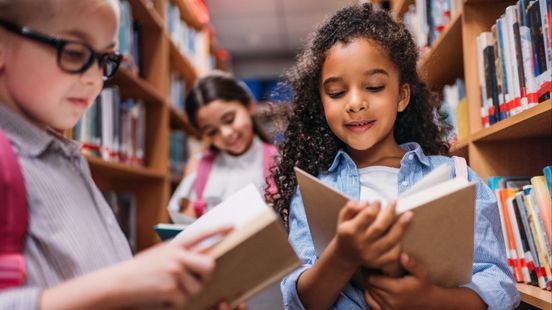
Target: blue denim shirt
[(492, 280)]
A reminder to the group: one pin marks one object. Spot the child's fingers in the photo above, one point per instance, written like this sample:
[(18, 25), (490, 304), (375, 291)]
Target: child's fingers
[(366, 216), (350, 209), (370, 300), (191, 284), (388, 257), (394, 235), (413, 267), (382, 222), (192, 240), (200, 264)]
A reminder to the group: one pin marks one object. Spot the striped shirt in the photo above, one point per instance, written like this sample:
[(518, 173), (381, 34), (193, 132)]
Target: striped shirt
[(72, 230)]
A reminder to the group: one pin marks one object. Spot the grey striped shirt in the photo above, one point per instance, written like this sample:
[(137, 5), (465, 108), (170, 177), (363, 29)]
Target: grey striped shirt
[(72, 230)]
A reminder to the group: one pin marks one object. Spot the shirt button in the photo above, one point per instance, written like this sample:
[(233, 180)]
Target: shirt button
[(404, 183), (411, 157)]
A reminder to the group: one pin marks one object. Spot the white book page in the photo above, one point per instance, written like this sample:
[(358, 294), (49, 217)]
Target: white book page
[(237, 210), (439, 175)]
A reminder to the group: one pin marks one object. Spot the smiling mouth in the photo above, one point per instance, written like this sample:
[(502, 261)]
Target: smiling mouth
[(359, 123)]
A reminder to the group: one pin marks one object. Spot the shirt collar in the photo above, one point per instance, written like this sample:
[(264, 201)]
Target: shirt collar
[(30, 139), (409, 148)]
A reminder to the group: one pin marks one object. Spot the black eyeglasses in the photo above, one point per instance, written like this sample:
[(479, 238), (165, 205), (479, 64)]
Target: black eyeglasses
[(72, 56)]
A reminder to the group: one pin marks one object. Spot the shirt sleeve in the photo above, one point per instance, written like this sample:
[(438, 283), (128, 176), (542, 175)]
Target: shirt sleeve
[(20, 298), (492, 279), (301, 241), (184, 190)]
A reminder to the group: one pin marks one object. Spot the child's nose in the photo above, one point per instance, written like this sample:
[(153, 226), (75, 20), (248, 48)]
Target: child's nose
[(356, 102), (226, 131)]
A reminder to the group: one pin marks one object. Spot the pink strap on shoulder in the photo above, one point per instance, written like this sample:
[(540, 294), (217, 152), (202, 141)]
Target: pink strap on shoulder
[(269, 152), (460, 167), (14, 217), (203, 171)]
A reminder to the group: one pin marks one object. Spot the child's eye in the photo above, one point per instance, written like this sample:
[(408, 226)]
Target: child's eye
[(335, 95), (229, 119), (375, 89), (211, 133)]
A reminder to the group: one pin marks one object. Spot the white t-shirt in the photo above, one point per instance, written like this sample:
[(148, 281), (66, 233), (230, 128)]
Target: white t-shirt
[(378, 183), (228, 175)]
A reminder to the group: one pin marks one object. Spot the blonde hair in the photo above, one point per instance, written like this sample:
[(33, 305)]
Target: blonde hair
[(21, 11)]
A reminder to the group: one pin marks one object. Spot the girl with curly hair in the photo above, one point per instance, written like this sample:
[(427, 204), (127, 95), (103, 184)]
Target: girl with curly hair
[(365, 124)]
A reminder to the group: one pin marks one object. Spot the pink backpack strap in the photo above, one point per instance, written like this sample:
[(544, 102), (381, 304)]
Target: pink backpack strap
[(460, 167), (203, 171), (269, 154), (14, 217)]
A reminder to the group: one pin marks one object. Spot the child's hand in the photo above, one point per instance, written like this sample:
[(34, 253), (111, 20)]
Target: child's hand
[(369, 237), (169, 274), (411, 291)]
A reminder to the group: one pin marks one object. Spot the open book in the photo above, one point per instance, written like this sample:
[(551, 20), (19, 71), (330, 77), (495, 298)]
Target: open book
[(440, 235), (251, 257)]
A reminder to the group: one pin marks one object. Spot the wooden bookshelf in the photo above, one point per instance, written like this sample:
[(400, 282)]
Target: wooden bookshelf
[(444, 49), (519, 145), (151, 183), (535, 296)]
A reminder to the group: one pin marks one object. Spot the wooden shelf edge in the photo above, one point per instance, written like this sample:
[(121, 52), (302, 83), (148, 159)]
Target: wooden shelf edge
[(118, 168), (535, 296), (180, 119), (125, 77), (527, 115), (182, 62), (399, 7), (459, 146), (148, 14), (454, 22)]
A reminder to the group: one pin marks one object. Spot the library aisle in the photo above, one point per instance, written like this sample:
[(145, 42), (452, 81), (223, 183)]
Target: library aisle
[(137, 138)]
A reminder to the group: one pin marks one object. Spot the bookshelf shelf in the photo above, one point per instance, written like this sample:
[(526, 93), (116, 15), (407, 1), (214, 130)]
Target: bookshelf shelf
[(182, 63), (180, 121), (188, 14), (446, 49), (146, 14), (535, 296), (532, 123), (460, 149), (399, 7), (133, 86), (121, 171)]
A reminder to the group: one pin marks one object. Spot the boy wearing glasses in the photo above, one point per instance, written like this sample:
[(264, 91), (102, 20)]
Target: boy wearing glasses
[(54, 56)]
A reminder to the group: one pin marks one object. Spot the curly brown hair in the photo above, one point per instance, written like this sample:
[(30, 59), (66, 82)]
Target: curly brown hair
[(309, 143)]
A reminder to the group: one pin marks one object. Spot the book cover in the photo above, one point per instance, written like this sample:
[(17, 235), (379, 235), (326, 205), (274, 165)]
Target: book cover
[(251, 257), (440, 236)]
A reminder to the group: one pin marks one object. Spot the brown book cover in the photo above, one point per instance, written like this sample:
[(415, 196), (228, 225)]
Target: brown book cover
[(253, 256), (440, 235)]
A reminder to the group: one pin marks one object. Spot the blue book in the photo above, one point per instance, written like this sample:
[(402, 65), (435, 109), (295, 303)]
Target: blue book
[(548, 176), (168, 231)]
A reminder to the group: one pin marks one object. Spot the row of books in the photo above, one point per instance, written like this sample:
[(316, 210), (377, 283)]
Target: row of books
[(123, 205), (179, 153), (177, 91), (515, 60), (130, 39), (455, 105), (192, 43), (525, 208), (426, 19), (113, 129)]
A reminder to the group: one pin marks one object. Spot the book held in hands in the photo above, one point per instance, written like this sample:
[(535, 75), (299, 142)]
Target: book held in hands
[(440, 236)]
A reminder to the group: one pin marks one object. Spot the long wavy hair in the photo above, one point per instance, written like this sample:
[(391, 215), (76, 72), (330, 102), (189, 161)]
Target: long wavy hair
[(309, 143)]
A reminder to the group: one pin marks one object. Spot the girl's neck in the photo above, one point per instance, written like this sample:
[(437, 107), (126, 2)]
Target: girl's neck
[(385, 153)]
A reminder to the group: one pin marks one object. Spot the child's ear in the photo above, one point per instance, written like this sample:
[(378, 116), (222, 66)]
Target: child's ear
[(251, 106), (404, 97)]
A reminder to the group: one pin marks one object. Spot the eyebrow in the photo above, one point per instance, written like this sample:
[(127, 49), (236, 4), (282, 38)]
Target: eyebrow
[(86, 37), (366, 73)]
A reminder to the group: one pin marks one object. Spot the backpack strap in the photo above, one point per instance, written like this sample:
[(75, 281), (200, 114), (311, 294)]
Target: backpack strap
[(14, 217), (269, 153), (460, 167), (203, 171)]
